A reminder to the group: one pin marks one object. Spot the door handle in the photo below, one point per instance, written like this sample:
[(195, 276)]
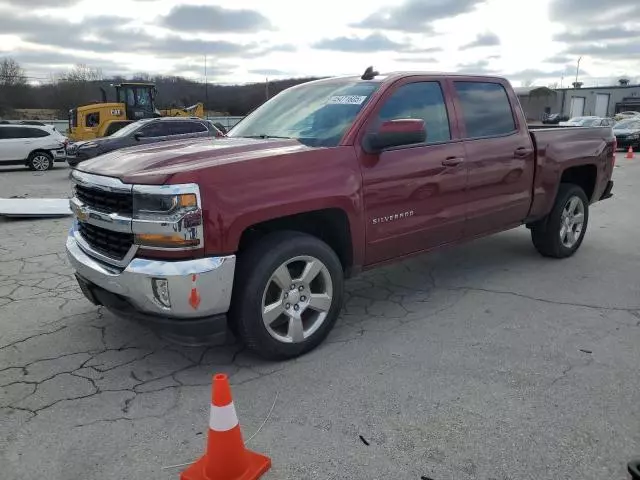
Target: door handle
[(452, 161), (522, 152)]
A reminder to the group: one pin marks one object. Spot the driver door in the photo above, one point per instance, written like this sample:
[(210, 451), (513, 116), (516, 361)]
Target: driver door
[(414, 195)]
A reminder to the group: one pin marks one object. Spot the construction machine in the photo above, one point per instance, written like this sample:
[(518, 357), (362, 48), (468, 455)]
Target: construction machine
[(134, 101)]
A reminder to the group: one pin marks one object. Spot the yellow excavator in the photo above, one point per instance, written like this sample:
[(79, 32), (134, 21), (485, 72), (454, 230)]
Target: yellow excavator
[(134, 101)]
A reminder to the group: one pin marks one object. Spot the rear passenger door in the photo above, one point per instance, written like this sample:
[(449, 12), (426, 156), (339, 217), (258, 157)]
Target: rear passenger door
[(414, 195), (499, 155)]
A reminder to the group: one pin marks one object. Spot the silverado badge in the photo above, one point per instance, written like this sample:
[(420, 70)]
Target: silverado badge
[(392, 218)]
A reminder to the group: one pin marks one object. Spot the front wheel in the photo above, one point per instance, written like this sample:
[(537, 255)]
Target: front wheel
[(287, 294), (561, 233), (40, 161)]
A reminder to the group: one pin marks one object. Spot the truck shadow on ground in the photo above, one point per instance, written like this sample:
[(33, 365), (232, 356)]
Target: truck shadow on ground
[(377, 300)]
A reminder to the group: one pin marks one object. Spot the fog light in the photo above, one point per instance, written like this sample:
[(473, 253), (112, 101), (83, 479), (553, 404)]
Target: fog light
[(161, 291)]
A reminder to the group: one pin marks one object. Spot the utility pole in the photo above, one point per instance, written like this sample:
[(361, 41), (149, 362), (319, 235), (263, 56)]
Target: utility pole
[(206, 86), (266, 88), (578, 69)]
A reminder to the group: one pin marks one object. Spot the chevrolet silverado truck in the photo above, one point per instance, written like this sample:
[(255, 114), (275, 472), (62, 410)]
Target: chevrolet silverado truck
[(255, 232)]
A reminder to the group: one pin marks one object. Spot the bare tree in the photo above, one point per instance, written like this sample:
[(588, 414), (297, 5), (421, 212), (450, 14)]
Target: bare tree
[(142, 77), (527, 83), (11, 73), (82, 73), (553, 85), (13, 86)]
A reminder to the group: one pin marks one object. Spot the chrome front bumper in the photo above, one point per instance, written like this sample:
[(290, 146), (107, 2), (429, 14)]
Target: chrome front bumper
[(212, 277)]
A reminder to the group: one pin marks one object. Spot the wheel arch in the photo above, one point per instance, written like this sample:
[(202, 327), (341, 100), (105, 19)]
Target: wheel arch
[(36, 151), (331, 225), (584, 176)]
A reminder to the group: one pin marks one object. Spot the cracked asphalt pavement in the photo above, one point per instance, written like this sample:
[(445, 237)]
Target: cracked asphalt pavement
[(484, 361)]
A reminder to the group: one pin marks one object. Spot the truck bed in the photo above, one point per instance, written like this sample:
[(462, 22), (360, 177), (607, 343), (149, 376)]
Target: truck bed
[(558, 149)]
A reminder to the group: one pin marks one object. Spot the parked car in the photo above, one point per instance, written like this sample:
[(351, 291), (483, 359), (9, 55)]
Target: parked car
[(257, 231), (627, 133), (577, 121), (598, 122), (554, 119), (142, 132), (37, 147), (33, 122), (624, 115)]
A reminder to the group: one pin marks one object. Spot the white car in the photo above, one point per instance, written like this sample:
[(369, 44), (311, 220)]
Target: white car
[(576, 121), (35, 146), (625, 115)]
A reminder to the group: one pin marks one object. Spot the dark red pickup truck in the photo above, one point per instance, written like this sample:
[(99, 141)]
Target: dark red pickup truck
[(257, 231)]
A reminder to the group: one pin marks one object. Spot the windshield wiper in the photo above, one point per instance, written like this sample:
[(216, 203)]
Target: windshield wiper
[(263, 136)]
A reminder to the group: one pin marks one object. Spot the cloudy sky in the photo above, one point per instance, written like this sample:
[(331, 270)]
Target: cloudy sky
[(535, 41)]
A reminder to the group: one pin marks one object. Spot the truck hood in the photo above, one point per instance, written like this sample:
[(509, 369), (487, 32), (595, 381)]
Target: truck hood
[(98, 142), (154, 164)]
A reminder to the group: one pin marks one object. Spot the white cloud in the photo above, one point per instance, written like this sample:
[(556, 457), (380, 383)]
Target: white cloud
[(286, 37)]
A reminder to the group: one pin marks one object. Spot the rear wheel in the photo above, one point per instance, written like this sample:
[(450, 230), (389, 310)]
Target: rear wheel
[(40, 161), (561, 233), (287, 295)]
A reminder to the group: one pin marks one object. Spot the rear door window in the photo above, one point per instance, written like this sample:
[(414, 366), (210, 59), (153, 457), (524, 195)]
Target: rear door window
[(178, 128), (37, 133), (486, 110), (196, 127), (156, 129)]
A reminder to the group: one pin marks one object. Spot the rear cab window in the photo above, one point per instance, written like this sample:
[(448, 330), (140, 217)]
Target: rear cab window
[(486, 110)]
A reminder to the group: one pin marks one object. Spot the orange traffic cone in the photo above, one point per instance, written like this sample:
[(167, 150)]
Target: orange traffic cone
[(630, 153), (226, 458)]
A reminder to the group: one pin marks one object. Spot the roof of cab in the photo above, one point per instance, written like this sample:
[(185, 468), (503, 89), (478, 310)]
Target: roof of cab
[(392, 76)]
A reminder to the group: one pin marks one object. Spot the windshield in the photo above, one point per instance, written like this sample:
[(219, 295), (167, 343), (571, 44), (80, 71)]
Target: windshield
[(576, 119), (316, 114), (628, 124), (126, 130)]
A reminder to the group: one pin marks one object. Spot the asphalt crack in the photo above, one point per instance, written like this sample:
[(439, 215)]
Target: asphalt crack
[(17, 342)]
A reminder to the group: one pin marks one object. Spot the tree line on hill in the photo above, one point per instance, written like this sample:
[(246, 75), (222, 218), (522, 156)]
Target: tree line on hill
[(81, 86)]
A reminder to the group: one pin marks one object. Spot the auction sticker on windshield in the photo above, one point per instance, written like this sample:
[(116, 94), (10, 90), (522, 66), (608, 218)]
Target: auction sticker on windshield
[(347, 100)]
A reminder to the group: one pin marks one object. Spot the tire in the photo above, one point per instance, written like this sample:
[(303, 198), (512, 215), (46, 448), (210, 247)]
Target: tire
[(260, 281), (40, 161), (548, 235)]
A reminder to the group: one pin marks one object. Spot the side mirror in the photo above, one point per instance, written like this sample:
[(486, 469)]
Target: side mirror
[(396, 133), (138, 136)]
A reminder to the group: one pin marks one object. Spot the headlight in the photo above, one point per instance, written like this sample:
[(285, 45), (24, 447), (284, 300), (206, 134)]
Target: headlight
[(145, 204), (167, 217)]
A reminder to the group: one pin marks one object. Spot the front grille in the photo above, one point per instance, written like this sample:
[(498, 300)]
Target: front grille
[(112, 244), (105, 201)]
